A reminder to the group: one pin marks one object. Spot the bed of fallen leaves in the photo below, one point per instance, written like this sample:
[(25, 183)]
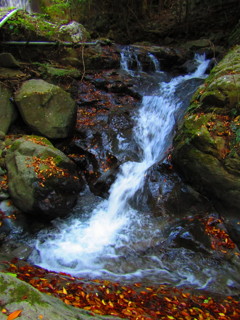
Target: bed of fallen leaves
[(134, 301), (220, 239), (4, 182), (45, 168), (4, 215)]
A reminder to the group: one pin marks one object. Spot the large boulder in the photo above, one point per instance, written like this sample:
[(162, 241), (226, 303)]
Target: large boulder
[(207, 147), (41, 179), (74, 31), (7, 110), (32, 304), (46, 108), (7, 60)]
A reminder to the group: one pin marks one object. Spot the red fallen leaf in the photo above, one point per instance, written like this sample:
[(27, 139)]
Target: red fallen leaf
[(15, 314)]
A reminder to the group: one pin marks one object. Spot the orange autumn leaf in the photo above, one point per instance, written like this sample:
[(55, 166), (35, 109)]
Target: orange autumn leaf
[(147, 303), (64, 291), (15, 314)]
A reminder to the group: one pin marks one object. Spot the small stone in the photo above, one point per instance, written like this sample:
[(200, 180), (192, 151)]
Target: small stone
[(7, 60)]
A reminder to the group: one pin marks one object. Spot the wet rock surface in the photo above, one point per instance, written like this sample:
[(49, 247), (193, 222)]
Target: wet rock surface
[(36, 304), (103, 133), (47, 109), (8, 113), (41, 179), (207, 146)]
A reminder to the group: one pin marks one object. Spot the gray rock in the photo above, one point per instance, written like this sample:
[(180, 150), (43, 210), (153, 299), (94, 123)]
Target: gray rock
[(53, 73), (74, 32), (7, 73), (41, 179), (46, 108), (7, 60), (196, 44), (206, 148), (18, 295), (7, 111)]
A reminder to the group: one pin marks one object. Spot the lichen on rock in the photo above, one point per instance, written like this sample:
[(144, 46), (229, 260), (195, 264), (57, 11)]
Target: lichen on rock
[(46, 108), (42, 180), (207, 146)]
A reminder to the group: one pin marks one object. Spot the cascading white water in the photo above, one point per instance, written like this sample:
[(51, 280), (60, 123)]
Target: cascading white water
[(84, 246), (155, 62), (19, 4)]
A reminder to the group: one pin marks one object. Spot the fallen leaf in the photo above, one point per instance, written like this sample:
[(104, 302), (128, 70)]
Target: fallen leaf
[(15, 314)]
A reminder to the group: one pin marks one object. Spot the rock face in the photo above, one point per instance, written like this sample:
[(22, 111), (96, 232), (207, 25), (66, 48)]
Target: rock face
[(103, 132), (47, 109), (74, 32), (7, 60), (7, 110), (42, 180), (169, 57), (18, 295), (207, 147)]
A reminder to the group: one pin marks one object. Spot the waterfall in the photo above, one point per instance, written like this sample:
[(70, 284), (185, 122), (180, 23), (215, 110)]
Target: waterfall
[(19, 4), (130, 61), (92, 244), (155, 62)]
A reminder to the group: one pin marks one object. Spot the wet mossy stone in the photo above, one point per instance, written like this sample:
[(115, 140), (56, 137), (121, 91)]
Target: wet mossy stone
[(54, 73), (223, 91), (19, 295), (207, 145), (42, 180), (46, 108), (7, 60), (7, 110), (74, 31)]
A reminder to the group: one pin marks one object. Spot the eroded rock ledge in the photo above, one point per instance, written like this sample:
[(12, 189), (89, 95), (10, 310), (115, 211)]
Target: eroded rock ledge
[(207, 147)]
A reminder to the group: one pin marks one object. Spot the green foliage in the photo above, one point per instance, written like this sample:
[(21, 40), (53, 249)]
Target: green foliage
[(15, 25), (25, 24), (59, 9)]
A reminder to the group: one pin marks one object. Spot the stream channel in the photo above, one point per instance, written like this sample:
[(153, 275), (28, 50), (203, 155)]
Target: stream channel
[(119, 238)]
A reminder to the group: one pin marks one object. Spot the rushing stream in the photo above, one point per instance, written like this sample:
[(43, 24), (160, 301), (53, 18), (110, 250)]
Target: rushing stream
[(114, 239)]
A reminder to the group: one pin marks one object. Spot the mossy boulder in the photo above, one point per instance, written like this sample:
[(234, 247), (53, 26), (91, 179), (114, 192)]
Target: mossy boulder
[(96, 57), (42, 181), (207, 146), (74, 32), (7, 110), (18, 295), (46, 108), (55, 73), (7, 60)]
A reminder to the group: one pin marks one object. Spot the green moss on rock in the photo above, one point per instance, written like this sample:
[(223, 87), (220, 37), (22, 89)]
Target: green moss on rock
[(18, 295), (207, 146)]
